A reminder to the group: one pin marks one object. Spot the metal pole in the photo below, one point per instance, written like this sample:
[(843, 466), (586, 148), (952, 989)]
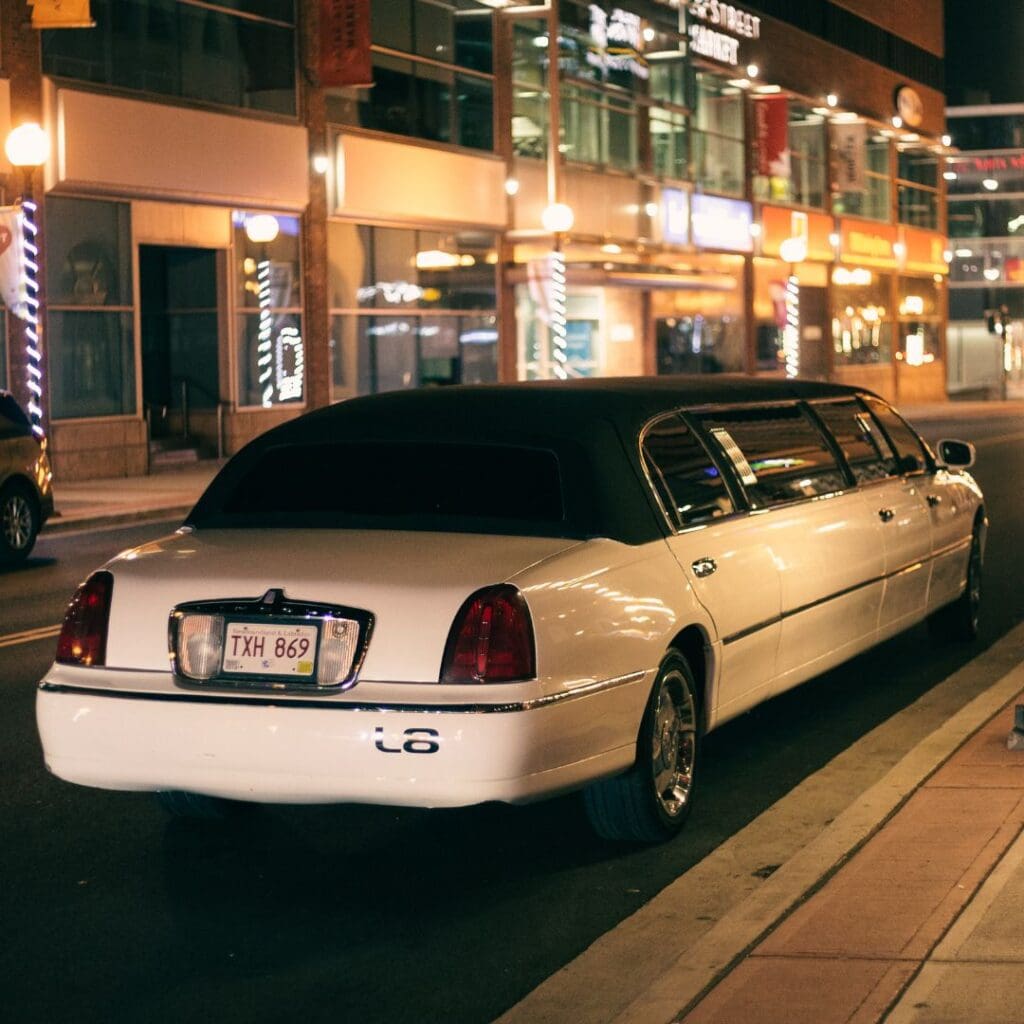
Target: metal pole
[(184, 408)]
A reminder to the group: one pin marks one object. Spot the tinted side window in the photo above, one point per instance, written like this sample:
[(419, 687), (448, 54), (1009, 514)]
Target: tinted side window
[(863, 443), (13, 421), (687, 479), (778, 453), (906, 442)]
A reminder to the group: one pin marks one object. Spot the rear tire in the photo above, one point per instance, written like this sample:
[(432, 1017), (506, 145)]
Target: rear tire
[(19, 522), (959, 620), (651, 802), (193, 806)]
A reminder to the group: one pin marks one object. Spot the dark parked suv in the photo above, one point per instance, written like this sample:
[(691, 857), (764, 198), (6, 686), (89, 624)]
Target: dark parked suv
[(26, 495)]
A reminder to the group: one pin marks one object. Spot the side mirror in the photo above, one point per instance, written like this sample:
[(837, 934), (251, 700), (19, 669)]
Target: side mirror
[(955, 454)]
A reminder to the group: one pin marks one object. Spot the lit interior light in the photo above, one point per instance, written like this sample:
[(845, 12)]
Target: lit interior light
[(540, 41), (949, 175), (832, 100), (990, 183), (755, 230), (321, 163), (834, 239), (651, 209), (512, 186), (611, 248), (991, 273), (947, 140), (964, 254), (557, 218), (897, 121), (753, 71), (649, 34)]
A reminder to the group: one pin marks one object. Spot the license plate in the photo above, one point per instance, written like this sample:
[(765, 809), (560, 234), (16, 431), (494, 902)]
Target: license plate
[(253, 648)]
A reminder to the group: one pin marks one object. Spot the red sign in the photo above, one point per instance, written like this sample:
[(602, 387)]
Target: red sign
[(345, 43), (771, 126)]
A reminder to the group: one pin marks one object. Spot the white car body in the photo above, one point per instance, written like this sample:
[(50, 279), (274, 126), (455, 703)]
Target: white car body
[(796, 589)]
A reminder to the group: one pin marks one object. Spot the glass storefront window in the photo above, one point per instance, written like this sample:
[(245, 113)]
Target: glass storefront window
[(873, 200), (802, 178), (803, 353), (917, 187), (268, 279), (862, 321), (718, 135), (231, 54), (410, 308), (920, 320), (438, 85), (668, 144), (90, 308)]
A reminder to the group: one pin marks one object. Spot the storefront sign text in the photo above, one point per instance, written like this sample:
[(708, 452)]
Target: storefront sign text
[(779, 223), (716, 30), (619, 40), (871, 244)]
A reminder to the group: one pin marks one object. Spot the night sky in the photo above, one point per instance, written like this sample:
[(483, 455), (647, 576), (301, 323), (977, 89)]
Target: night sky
[(984, 51)]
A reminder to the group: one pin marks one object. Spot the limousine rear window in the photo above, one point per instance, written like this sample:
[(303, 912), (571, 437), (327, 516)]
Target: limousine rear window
[(909, 449), (418, 485), (787, 455), (685, 475)]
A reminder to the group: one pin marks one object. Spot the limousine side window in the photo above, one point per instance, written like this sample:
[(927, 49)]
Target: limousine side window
[(867, 451), (909, 449), (687, 478), (787, 455)]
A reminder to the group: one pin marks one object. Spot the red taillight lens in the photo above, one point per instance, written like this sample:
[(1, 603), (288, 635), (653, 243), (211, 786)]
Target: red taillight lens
[(491, 639), (83, 637)]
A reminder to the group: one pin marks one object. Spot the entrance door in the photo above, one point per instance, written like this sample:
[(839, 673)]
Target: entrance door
[(178, 296)]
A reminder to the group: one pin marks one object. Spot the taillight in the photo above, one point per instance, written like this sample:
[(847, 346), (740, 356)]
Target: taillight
[(491, 639), (83, 637)]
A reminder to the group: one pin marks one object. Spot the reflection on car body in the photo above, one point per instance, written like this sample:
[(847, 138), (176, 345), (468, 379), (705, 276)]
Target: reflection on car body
[(442, 597)]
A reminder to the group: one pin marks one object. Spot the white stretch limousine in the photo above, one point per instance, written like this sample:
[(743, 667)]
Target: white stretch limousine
[(447, 596)]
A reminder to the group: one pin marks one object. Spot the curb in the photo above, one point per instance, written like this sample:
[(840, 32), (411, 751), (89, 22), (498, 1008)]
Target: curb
[(59, 524)]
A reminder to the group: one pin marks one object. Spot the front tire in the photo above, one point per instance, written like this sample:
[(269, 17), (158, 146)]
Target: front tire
[(651, 802), (19, 522), (959, 620)]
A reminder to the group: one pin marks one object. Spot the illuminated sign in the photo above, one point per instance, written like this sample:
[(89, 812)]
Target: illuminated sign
[(871, 244), (717, 223), (780, 223), (675, 216), (717, 28), (618, 39), (909, 106), (924, 251)]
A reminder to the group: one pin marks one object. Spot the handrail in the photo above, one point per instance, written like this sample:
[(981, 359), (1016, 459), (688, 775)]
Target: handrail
[(186, 384)]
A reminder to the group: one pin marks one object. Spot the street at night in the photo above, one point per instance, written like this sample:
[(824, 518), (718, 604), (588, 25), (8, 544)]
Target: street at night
[(374, 914)]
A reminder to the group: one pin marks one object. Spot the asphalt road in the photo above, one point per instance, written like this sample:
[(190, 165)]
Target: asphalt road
[(112, 913)]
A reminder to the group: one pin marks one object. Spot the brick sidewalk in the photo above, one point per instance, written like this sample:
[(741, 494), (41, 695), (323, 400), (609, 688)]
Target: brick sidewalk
[(851, 948)]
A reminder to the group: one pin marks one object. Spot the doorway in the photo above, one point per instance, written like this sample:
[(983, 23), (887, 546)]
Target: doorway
[(180, 337)]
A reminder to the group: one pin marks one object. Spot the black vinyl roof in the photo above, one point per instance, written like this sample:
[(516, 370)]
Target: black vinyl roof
[(591, 424)]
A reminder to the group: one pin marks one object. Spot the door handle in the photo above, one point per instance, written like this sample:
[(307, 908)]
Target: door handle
[(934, 500), (886, 514), (704, 567)]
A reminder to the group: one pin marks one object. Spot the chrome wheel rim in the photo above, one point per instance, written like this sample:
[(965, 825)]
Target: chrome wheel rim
[(17, 522), (674, 743)]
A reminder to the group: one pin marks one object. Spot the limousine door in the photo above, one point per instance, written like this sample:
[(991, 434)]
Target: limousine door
[(901, 503), (725, 558)]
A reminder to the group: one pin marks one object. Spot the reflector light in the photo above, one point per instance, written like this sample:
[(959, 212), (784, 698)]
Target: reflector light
[(491, 639), (338, 641), (83, 636), (200, 645)]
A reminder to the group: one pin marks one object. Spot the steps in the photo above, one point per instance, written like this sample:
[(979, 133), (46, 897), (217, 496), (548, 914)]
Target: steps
[(169, 454)]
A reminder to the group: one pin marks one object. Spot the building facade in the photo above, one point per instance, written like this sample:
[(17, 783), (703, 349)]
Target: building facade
[(227, 241), (985, 181)]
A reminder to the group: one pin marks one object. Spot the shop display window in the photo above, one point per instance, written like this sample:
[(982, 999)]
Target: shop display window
[(237, 54), (432, 73), (718, 135), (920, 320), (863, 320), (90, 314), (268, 282), (410, 308)]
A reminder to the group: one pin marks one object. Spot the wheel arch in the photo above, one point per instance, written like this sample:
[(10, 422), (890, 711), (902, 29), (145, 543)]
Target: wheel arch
[(693, 644)]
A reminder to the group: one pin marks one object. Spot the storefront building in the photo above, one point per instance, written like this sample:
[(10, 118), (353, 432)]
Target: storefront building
[(229, 240)]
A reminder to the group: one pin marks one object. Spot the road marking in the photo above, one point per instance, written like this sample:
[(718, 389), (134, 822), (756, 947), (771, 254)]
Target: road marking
[(687, 937), (28, 636)]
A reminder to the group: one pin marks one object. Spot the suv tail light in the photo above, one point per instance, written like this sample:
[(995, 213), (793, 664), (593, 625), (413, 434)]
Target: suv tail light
[(83, 637), (491, 639)]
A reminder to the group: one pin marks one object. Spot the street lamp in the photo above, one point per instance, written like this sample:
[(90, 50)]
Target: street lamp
[(261, 229), (28, 147)]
